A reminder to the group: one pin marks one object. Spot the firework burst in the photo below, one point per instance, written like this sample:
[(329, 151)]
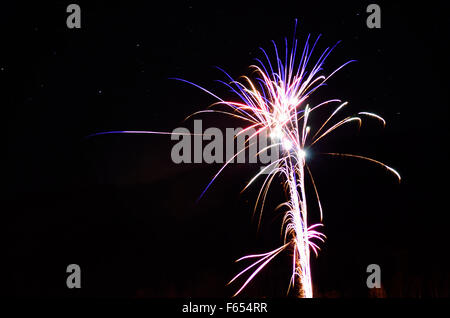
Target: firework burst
[(275, 99)]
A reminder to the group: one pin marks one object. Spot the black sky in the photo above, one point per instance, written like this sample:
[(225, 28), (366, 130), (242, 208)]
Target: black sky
[(117, 205)]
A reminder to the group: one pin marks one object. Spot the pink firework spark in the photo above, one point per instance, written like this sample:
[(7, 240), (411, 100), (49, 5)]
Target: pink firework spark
[(275, 100)]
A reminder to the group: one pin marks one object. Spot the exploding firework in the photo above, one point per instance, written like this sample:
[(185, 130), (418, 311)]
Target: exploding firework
[(274, 100)]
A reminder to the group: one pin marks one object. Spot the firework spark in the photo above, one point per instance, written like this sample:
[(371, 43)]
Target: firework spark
[(275, 100)]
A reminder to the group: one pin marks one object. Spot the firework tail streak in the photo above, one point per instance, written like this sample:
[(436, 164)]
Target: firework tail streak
[(275, 101)]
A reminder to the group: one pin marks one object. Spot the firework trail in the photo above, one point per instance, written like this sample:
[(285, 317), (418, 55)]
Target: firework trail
[(274, 100)]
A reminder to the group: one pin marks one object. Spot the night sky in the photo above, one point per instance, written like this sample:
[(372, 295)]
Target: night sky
[(120, 208)]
